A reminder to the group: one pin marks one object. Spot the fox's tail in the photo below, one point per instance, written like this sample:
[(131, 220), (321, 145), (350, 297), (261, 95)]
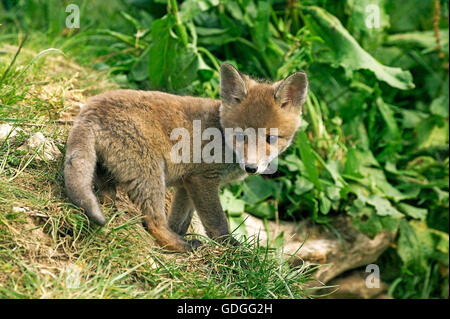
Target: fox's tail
[(79, 170)]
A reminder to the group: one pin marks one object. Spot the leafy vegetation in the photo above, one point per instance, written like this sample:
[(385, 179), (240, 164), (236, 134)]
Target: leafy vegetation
[(374, 143)]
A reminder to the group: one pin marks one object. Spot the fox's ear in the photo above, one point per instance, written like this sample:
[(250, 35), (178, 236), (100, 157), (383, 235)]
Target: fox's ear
[(292, 91), (232, 85)]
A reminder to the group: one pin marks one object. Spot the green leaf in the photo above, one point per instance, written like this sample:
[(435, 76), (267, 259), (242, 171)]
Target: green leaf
[(261, 32), (429, 134), (409, 248), (325, 204), (171, 64), (257, 189), (431, 238), (382, 206), (263, 210), (308, 159), (233, 206), (190, 8), (346, 52), (185, 68), (422, 39), (234, 9), (388, 116), (352, 164), (439, 106), (412, 211), (333, 192), (139, 71), (205, 72), (278, 242), (302, 185), (293, 163), (366, 220)]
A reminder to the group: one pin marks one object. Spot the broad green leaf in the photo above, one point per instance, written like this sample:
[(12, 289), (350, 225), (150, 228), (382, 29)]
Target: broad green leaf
[(325, 204), (293, 163), (366, 220), (410, 248), (205, 32), (352, 164), (233, 206), (185, 68), (433, 239), (346, 51), (171, 64), (190, 8), (278, 242), (257, 189), (388, 116), (382, 206), (414, 212), (308, 159), (412, 118), (234, 9), (302, 185), (440, 105), (204, 71), (429, 134), (263, 210), (162, 54)]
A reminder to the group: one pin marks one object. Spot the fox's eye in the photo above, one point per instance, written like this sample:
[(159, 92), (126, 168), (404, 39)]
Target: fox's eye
[(237, 100), (240, 137), (271, 139)]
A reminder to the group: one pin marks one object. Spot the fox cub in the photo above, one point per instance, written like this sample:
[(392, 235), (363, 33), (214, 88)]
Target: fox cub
[(123, 137)]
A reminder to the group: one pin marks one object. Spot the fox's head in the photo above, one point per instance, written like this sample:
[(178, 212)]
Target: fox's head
[(268, 111)]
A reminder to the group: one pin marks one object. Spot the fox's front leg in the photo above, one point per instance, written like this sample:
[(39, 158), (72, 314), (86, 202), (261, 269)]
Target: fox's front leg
[(181, 211), (204, 193)]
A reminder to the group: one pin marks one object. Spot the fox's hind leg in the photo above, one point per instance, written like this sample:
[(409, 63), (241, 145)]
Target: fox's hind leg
[(148, 194)]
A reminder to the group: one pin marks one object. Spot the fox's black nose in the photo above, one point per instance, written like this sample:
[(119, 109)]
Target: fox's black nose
[(251, 169)]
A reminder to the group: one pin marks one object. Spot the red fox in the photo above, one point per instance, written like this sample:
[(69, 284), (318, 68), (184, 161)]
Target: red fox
[(123, 137)]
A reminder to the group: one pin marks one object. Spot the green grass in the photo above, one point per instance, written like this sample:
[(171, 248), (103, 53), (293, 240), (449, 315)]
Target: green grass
[(48, 249)]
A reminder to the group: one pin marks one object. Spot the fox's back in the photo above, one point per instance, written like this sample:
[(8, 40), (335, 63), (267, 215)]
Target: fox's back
[(150, 109), (139, 123)]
